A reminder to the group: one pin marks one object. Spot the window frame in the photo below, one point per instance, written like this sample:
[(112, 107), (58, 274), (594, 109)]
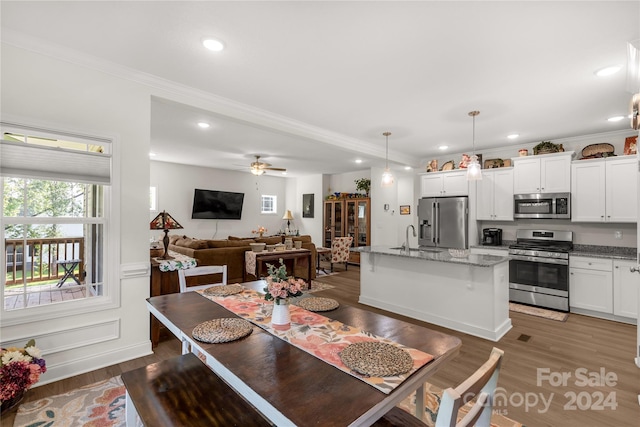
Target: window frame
[(274, 203), (110, 220)]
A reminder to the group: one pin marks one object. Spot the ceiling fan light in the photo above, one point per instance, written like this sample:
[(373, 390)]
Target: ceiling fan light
[(257, 171)]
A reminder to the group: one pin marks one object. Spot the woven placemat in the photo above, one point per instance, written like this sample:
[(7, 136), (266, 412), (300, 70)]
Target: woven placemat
[(222, 330), (318, 304), (223, 290), (376, 359)]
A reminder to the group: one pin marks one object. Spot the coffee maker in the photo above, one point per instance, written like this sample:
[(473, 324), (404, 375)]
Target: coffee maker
[(492, 237)]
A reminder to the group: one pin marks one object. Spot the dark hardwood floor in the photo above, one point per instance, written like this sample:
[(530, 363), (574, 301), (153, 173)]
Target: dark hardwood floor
[(582, 348)]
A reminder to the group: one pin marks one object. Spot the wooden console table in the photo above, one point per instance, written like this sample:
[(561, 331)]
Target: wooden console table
[(290, 258)]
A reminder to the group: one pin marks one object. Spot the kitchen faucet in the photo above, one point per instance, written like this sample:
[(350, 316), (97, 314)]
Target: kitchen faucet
[(405, 245)]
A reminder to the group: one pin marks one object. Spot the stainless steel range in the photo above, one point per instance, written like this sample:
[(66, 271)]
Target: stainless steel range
[(539, 268)]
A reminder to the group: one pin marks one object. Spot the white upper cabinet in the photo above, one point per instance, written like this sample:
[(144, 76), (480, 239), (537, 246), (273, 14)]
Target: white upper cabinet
[(444, 184), (545, 173), (495, 195), (604, 190)]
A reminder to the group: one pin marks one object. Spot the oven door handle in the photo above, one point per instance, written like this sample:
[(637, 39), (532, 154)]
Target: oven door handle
[(539, 260)]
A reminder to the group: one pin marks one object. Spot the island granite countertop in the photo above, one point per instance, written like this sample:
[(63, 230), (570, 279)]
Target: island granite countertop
[(434, 254)]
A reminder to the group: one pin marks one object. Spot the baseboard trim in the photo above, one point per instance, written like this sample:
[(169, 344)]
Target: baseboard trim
[(77, 366)]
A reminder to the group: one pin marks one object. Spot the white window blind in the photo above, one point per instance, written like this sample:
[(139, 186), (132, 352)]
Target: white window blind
[(23, 160)]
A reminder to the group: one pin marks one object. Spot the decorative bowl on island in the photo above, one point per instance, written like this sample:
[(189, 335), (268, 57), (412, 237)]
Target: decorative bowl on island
[(459, 253)]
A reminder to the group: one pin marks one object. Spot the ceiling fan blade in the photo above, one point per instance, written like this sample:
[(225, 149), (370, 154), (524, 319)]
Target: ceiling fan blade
[(275, 169)]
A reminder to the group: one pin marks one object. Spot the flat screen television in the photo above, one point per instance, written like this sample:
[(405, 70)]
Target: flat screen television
[(210, 204)]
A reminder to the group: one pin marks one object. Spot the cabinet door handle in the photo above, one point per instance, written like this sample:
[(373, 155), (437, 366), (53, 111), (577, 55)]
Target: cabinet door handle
[(634, 269)]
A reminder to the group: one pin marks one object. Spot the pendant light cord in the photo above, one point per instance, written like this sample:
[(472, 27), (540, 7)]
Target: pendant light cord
[(473, 114), (386, 156)]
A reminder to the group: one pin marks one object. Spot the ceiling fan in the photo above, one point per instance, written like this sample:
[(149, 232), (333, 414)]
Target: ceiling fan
[(258, 167)]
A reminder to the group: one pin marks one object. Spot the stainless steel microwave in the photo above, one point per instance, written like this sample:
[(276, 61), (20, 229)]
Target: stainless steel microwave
[(542, 205)]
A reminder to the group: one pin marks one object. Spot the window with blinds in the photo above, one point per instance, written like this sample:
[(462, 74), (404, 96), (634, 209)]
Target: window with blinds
[(54, 217)]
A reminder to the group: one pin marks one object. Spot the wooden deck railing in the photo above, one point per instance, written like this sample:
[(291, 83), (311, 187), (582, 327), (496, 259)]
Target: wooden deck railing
[(38, 260)]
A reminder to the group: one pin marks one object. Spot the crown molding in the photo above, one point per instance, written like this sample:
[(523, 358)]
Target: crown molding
[(215, 103)]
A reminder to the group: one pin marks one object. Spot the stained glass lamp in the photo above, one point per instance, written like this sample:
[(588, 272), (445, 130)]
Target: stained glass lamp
[(165, 222)]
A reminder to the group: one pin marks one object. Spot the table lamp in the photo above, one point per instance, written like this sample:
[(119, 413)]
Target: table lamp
[(288, 217), (165, 222)]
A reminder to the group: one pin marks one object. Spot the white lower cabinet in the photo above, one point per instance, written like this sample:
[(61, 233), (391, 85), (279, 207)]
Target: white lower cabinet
[(591, 284), (625, 289), (603, 288)]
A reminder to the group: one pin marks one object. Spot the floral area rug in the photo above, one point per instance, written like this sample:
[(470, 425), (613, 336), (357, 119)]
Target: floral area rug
[(101, 404), (319, 286), (432, 396), (539, 312)]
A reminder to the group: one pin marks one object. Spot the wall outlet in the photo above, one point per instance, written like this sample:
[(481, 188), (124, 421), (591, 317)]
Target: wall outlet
[(617, 234)]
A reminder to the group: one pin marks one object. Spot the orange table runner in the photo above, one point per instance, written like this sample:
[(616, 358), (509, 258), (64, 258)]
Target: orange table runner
[(316, 334)]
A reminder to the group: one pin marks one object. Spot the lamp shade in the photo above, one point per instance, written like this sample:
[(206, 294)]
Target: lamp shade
[(288, 215), (165, 222)]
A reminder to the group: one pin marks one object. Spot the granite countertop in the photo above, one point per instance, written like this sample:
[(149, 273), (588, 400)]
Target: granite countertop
[(609, 252), (594, 251), (435, 254)]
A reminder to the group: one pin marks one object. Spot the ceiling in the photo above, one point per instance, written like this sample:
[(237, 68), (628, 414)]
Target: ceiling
[(311, 86)]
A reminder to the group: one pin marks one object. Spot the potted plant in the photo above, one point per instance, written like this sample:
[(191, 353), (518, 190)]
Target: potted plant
[(363, 184)]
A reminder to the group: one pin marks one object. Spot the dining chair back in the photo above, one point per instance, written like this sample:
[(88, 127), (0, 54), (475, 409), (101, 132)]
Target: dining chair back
[(340, 250), (201, 271), (481, 386)]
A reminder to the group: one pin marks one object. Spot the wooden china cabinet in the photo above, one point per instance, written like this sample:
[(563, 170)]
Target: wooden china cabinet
[(348, 217)]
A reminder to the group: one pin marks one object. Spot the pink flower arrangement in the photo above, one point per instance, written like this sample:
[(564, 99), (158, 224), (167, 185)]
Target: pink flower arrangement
[(280, 287), (260, 230), (20, 368)]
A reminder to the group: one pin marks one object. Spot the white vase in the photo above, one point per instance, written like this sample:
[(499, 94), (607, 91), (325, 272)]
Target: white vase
[(281, 317)]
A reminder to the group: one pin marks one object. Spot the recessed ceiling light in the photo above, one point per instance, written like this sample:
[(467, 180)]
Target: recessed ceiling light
[(615, 118), (513, 136), (358, 160), (152, 154), (203, 125), (607, 71), (407, 168), (212, 44), (284, 173), (443, 147)]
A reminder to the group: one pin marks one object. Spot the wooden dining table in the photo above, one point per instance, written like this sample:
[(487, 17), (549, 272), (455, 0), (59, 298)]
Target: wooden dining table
[(289, 386)]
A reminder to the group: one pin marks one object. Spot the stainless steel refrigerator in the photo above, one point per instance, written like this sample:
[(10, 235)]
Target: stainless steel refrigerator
[(444, 222)]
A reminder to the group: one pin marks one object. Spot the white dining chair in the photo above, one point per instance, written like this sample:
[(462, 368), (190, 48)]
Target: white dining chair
[(201, 271)]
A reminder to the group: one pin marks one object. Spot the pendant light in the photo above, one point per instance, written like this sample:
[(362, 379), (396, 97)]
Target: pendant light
[(474, 171), (387, 176)]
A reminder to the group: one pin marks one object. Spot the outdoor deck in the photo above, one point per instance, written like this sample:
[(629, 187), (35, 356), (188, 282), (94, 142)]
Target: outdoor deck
[(43, 294), (35, 268)]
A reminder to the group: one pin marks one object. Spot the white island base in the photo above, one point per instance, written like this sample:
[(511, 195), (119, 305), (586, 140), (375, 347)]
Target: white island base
[(459, 295)]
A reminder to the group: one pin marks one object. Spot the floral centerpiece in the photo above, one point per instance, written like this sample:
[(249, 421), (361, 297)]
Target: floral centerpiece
[(259, 231), (20, 368), (281, 287)]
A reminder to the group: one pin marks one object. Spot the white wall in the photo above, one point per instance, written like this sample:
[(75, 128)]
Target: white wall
[(47, 91), (345, 182), (176, 184), (308, 185)]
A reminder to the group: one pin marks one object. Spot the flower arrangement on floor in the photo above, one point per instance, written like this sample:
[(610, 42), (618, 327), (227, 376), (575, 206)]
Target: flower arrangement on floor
[(259, 231), (20, 368), (281, 287)]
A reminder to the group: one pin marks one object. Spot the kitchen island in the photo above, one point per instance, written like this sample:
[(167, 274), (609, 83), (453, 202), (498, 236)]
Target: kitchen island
[(469, 294)]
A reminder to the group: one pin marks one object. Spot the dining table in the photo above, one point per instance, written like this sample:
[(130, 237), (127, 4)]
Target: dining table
[(291, 387)]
